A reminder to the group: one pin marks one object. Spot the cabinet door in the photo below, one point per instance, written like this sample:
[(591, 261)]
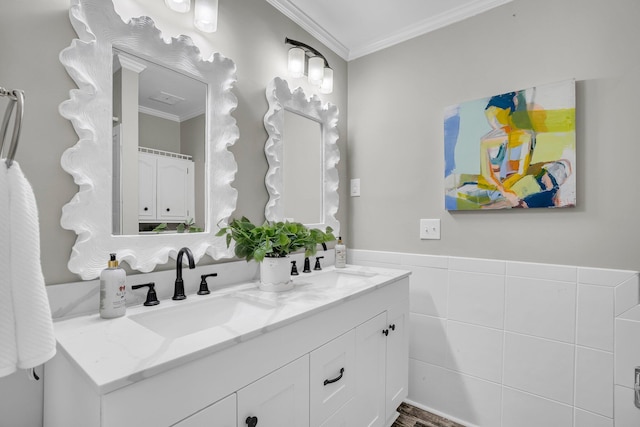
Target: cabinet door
[(280, 399), (345, 417), (333, 377), (220, 414), (146, 186), (397, 357), (371, 367), (174, 189)]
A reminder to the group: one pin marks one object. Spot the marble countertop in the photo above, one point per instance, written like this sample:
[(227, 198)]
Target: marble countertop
[(113, 353)]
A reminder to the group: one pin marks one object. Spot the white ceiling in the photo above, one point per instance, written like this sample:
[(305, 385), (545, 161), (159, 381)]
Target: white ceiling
[(165, 93), (354, 28)]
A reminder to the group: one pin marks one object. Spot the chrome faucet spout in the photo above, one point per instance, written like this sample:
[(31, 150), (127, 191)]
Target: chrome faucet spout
[(178, 291)]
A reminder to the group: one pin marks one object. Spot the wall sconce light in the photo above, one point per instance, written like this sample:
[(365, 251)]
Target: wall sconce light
[(296, 62), (182, 6), (205, 13), (319, 73)]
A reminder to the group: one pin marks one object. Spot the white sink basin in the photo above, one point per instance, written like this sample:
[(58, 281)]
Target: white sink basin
[(340, 278), (192, 317)]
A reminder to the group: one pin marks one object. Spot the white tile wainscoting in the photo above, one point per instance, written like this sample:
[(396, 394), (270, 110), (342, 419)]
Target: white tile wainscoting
[(513, 344)]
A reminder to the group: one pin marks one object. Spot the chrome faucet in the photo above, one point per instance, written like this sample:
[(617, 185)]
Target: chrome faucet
[(178, 292)]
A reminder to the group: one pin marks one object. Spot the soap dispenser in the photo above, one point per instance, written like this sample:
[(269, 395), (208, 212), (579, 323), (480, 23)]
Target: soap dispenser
[(112, 290), (341, 254)]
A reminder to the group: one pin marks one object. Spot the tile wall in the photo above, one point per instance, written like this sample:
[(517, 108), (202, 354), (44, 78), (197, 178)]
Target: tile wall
[(512, 344)]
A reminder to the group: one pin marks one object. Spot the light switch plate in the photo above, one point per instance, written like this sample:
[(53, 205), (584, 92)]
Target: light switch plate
[(430, 229), (355, 187)]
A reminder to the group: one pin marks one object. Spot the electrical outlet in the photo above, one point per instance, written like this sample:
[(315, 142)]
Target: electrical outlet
[(430, 229), (355, 187)]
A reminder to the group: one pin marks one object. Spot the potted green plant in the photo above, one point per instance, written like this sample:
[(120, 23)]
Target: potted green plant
[(270, 244)]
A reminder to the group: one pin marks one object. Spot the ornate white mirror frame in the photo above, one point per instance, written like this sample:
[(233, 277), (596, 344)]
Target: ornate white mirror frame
[(88, 61), (280, 98)]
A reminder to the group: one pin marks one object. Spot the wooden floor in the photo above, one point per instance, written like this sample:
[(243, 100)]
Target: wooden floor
[(410, 416)]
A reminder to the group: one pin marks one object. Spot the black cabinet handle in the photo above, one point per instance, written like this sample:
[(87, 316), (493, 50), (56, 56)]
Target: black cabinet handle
[(252, 421), (146, 209), (336, 378), (385, 332), (392, 327), (168, 210)]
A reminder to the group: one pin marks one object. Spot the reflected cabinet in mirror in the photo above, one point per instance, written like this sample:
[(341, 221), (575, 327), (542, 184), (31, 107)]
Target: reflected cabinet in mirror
[(154, 125), (302, 152)]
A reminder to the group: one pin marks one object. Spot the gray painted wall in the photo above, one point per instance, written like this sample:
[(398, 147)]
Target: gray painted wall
[(192, 133), (156, 132), (396, 102), (251, 32)]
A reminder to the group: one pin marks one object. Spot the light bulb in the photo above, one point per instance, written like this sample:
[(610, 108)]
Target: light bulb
[(316, 70), (181, 6), (206, 15), (327, 81), (296, 62)]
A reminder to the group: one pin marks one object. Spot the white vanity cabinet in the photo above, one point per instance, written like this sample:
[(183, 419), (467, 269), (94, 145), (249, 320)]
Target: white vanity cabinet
[(332, 377), (166, 188), (397, 352), (371, 375), (279, 399), (341, 365), (382, 362), (220, 414)]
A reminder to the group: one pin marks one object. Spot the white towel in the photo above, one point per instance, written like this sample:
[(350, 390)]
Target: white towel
[(8, 347), (34, 335)]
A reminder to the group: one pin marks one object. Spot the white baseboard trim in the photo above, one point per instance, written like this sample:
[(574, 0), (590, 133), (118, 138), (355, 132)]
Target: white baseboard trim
[(440, 414)]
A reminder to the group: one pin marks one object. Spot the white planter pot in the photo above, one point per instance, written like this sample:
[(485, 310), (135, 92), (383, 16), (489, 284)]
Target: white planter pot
[(275, 274)]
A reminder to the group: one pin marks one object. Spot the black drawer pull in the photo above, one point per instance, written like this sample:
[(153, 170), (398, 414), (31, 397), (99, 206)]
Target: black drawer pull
[(336, 378), (385, 332), (252, 421), (392, 327)]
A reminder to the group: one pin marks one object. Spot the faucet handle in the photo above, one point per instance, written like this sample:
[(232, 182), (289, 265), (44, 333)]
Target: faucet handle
[(204, 289), (152, 297), (318, 266), (294, 269)]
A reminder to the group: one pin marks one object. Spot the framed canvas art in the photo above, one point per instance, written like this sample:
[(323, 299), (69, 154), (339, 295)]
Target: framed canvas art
[(512, 150)]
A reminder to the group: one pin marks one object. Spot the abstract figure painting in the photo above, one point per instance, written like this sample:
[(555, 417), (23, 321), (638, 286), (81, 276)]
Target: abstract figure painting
[(513, 150)]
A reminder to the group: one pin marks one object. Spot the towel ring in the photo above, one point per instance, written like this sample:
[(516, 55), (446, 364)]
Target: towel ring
[(15, 97), (5, 121)]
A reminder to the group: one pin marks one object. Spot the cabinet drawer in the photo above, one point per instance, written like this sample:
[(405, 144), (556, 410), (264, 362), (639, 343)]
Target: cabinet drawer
[(332, 377), (345, 417), (220, 414)]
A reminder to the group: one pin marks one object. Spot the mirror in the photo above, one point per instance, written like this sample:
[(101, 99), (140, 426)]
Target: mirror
[(158, 145), (302, 168), (302, 153), (89, 62)]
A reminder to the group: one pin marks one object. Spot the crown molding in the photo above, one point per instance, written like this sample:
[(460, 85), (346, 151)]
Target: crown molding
[(169, 116), (427, 25), (292, 12)]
